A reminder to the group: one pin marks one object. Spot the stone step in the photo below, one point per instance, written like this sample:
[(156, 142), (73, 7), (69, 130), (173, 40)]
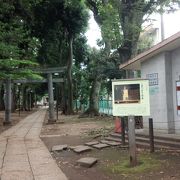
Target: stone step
[(159, 140), (100, 146), (81, 149), (172, 139), (87, 162), (116, 135), (111, 143), (113, 139), (91, 143), (59, 147), (146, 145)]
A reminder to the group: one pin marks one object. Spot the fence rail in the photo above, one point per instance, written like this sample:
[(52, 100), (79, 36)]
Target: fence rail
[(105, 107)]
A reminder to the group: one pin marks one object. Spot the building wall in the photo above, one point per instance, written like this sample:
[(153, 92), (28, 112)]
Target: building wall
[(158, 99), (176, 76), (169, 92)]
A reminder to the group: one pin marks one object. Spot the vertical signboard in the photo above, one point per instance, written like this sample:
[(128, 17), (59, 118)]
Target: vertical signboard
[(131, 97), (178, 96)]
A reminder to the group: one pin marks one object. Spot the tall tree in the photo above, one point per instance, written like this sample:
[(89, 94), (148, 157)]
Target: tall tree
[(16, 50), (107, 19), (16, 53), (69, 17), (120, 22)]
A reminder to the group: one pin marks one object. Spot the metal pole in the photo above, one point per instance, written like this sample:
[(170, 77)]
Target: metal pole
[(123, 131), (51, 98), (108, 106), (151, 135), (76, 97), (30, 100), (56, 101), (35, 99), (8, 102), (132, 141), (19, 100)]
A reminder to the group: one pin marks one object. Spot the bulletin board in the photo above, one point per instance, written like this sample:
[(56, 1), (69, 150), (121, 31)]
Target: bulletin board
[(130, 97)]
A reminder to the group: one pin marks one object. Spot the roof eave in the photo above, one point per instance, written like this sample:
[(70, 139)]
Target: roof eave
[(168, 44)]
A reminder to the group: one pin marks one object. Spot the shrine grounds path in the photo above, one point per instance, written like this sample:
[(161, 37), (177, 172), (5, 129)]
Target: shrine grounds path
[(23, 156)]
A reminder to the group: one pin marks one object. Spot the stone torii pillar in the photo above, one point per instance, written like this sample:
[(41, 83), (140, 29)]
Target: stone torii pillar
[(51, 99), (8, 100)]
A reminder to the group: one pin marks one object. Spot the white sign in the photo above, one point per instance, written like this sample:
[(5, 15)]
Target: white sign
[(131, 97), (153, 79)]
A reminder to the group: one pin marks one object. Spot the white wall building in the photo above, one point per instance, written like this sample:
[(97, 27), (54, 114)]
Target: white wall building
[(161, 65)]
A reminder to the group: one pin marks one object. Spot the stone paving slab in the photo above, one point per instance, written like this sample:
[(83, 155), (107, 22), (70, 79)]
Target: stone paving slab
[(104, 141), (59, 147), (23, 156), (91, 143), (113, 139), (17, 175), (3, 144), (100, 146), (74, 147), (87, 161), (82, 149), (111, 143)]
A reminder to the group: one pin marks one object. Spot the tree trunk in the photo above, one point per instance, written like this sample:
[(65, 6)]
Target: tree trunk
[(14, 98), (69, 78), (8, 100), (2, 107), (131, 18), (25, 98), (93, 109)]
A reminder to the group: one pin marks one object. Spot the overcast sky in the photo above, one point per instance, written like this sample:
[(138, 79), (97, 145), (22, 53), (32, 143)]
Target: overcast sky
[(171, 26)]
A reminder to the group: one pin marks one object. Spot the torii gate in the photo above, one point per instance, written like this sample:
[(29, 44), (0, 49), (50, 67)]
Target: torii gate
[(50, 80)]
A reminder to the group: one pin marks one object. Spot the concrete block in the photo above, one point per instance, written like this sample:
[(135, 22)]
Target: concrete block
[(87, 161), (81, 149), (100, 146), (91, 143), (59, 147), (111, 143), (105, 141), (74, 147)]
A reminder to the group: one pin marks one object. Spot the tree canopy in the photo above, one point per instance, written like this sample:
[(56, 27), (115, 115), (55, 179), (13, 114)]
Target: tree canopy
[(17, 48), (51, 33)]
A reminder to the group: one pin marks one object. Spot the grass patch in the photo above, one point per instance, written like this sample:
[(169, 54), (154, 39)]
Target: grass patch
[(103, 132), (146, 162)]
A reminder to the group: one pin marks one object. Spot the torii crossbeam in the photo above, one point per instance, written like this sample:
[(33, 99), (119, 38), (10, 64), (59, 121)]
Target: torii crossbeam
[(49, 80)]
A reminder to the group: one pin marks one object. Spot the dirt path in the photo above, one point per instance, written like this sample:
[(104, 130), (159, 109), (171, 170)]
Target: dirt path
[(112, 161)]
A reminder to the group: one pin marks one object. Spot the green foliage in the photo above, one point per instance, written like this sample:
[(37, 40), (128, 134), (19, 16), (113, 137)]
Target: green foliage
[(110, 26), (120, 23), (81, 50), (75, 17), (54, 22), (16, 46), (144, 43), (81, 83)]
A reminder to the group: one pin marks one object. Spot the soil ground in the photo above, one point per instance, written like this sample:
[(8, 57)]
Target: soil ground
[(112, 161)]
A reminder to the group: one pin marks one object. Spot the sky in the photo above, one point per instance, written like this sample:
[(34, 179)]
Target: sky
[(171, 26), (93, 32)]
